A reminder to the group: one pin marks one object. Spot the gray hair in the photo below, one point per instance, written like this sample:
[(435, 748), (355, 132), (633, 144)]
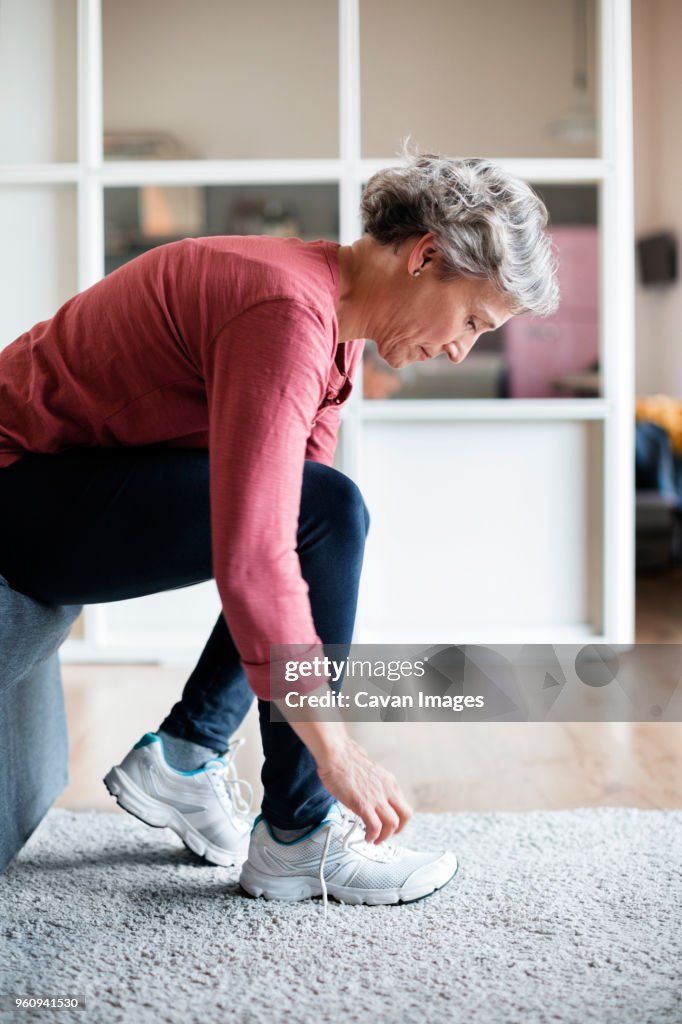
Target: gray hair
[(486, 223)]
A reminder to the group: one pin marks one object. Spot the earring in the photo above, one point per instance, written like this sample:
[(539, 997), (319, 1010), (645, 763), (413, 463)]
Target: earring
[(416, 273)]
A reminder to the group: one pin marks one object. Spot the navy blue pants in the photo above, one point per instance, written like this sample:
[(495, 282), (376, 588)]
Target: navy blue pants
[(93, 525)]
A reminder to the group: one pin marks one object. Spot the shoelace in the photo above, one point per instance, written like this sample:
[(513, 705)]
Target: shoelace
[(238, 790), (383, 852)]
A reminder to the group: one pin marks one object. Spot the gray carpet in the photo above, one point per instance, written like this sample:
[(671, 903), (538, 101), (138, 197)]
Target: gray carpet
[(554, 916)]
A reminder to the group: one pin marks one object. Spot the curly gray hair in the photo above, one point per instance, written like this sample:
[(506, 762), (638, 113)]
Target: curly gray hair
[(486, 224)]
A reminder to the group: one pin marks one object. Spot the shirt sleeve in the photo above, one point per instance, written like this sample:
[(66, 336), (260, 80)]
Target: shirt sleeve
[(266, 375)]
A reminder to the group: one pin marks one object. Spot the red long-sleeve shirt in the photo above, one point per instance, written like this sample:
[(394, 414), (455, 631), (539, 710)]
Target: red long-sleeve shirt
[(223, 343)]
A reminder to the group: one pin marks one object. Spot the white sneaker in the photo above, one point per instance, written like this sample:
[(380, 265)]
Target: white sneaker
[(205, 807), (336, 858)]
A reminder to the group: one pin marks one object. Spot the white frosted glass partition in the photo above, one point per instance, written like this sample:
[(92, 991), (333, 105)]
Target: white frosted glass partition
[(37, 81), (496, 538), (38, 269), (513, 78), (171, 625), (221, 78)]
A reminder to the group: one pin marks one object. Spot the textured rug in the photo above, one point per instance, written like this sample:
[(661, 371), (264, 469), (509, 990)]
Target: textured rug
[(553, 917)]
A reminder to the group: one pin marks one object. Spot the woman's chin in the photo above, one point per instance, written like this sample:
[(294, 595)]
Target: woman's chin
[(388, 358), (397, 360)]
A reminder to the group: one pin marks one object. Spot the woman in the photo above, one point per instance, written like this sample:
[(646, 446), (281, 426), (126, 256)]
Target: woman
[(176, 422)]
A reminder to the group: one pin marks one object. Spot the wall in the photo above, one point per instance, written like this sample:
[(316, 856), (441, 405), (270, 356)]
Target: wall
[(37, 81), (668, 186), (657, 81), (38, 270), (475, 77), (269, 68), (37, 125), (502, 71)]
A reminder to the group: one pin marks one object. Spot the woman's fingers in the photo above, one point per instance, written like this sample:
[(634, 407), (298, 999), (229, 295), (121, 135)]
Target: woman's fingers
[(394, 814), (389, 823), (398, 811), (368, 790), (372, 825), (403, 811), (378, 817)]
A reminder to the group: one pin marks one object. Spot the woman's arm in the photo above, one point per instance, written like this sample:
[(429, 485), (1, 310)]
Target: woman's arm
[(266, 374), (265, 378)]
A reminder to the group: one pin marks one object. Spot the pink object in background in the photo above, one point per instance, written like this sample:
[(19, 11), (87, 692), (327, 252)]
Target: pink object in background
[(540, 349)]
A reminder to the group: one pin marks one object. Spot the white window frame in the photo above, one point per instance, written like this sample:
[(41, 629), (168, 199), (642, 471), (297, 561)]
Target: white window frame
[(611, 173)]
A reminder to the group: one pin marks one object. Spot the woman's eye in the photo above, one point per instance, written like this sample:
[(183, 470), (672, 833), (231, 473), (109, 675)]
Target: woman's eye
[(472, 324)]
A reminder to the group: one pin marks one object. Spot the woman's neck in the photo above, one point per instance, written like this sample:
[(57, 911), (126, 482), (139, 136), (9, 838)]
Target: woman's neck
[(356, 270)]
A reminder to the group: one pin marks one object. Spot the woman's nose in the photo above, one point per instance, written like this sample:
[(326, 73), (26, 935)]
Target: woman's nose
[(453, 353)]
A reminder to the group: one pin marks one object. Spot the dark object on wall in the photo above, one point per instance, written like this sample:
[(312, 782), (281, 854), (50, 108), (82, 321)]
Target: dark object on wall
[(658, 258)]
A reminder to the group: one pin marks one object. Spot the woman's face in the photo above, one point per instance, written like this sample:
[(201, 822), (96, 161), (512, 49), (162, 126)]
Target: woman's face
[(418, 318)]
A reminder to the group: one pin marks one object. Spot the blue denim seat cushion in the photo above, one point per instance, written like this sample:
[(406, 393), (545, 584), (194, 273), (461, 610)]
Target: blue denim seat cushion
[(657, 467), (33, 733)]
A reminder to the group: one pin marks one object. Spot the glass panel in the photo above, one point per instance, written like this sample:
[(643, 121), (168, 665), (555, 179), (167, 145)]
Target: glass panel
[(137, 219), (559, 356), (529, 357), (39, 269), (37, 81), (220, 78), (496, 78)]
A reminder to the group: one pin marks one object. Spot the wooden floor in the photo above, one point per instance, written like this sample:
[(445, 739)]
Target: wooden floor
[(481, 766)]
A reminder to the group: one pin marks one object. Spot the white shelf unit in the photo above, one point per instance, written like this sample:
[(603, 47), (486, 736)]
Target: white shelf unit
[(612, 618)]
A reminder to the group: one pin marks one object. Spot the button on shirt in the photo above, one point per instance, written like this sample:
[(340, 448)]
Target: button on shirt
[(226, 343)]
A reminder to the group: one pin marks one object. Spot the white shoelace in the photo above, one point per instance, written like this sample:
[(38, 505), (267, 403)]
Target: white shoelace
[(323, 881), (238, 790), (383, 852)]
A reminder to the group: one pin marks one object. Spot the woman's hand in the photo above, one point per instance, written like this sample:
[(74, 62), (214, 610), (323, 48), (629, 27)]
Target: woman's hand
[(344, 768), (366, 789)]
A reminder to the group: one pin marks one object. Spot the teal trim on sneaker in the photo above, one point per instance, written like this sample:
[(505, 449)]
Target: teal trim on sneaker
[(149, 737), (292, 842), (154, 737)]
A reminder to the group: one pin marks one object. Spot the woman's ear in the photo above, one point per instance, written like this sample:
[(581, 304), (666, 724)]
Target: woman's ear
[(422, 252)]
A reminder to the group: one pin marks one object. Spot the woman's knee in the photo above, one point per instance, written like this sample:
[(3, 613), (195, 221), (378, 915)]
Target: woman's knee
[(337, 498)]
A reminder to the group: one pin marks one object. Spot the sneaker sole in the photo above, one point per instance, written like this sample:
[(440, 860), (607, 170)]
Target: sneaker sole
[(150, 811), (271, 887)]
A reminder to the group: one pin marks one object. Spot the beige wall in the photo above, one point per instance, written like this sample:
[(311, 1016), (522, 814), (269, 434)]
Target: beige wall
[(258, 78), (472, 77), (667, 184), (237, 79), (657, 73)]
